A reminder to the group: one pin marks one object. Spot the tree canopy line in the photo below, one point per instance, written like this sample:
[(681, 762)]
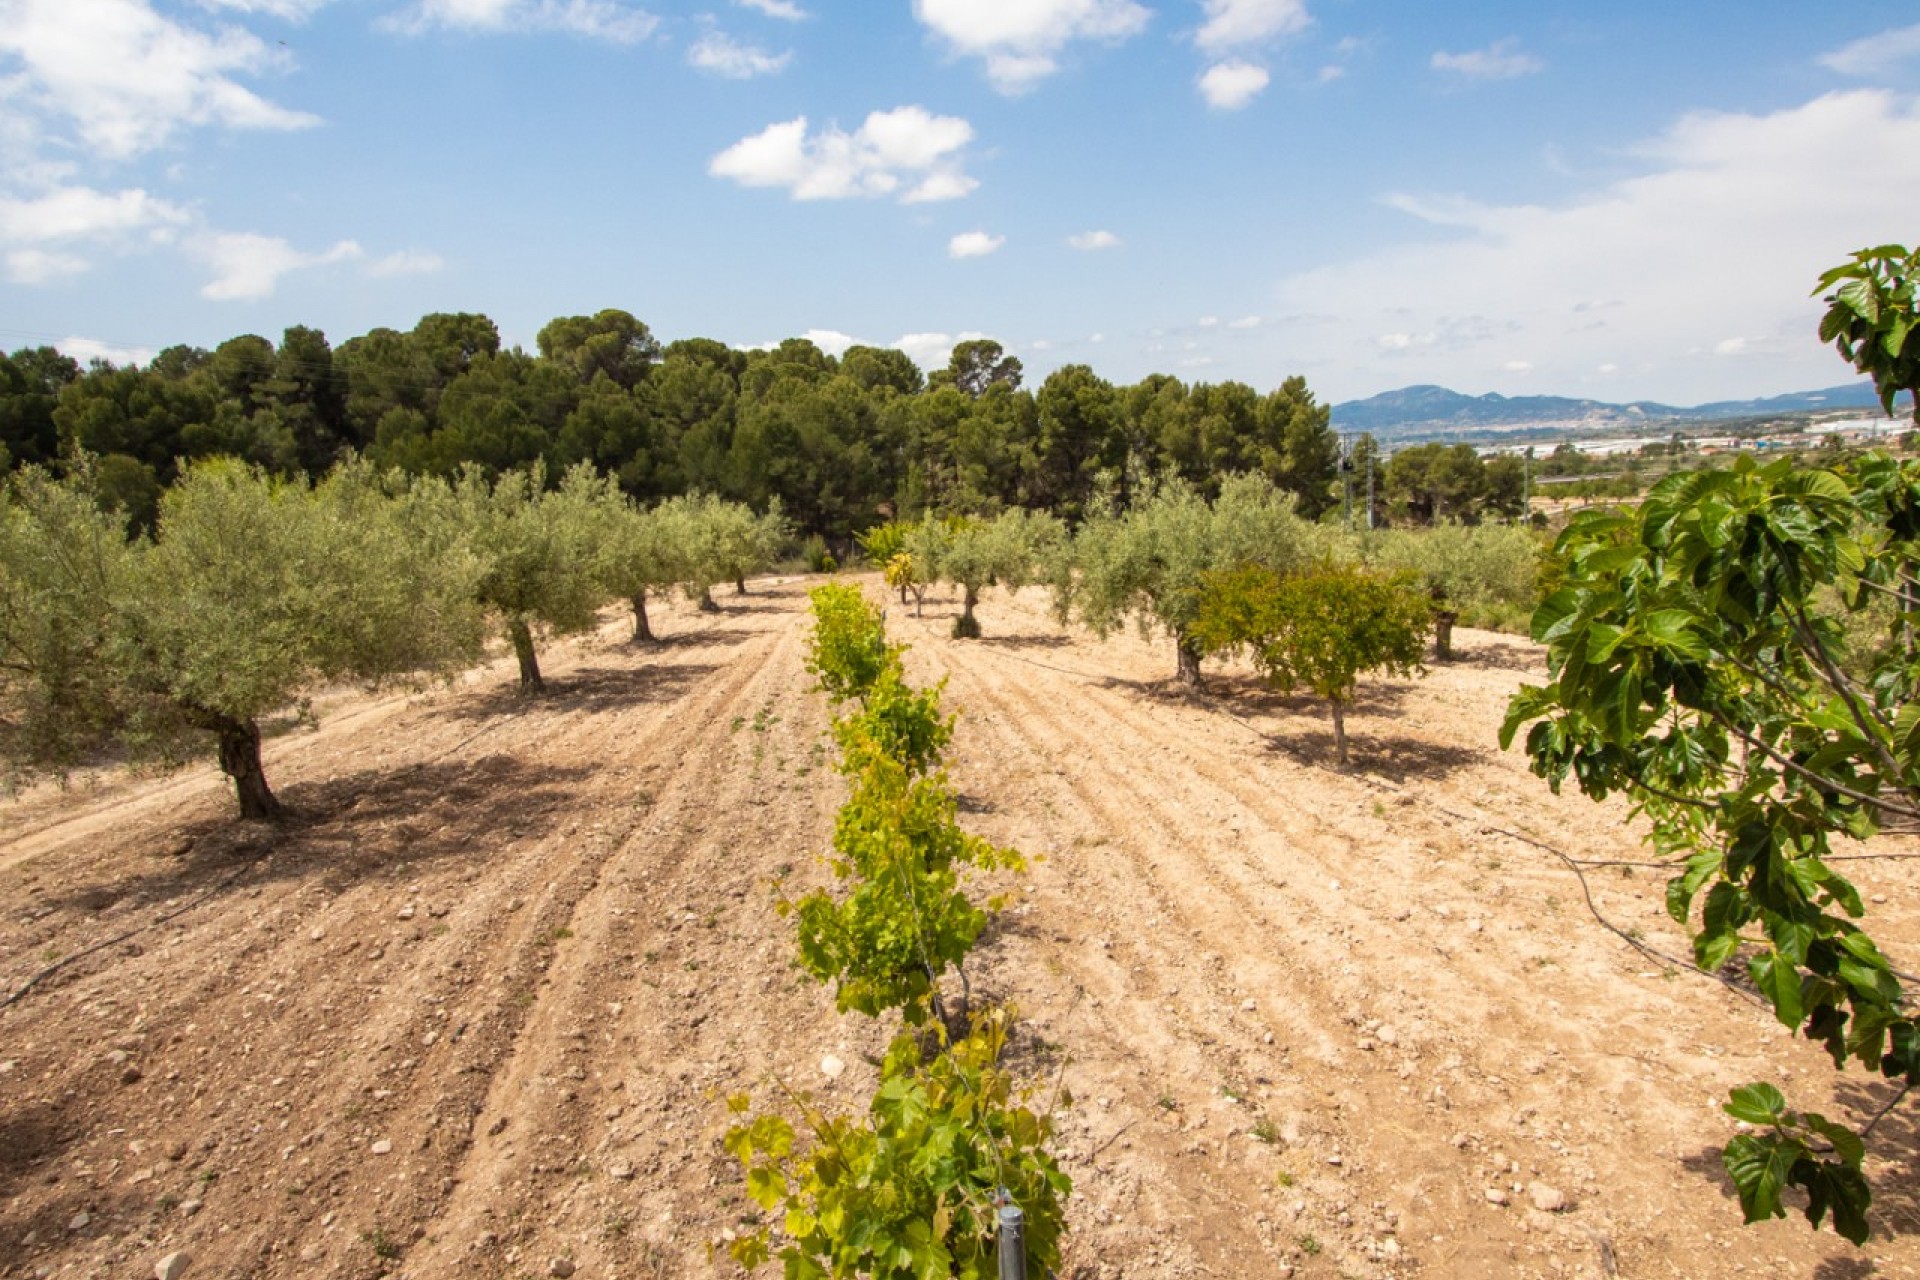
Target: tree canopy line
[(186, 546), (843, 442)]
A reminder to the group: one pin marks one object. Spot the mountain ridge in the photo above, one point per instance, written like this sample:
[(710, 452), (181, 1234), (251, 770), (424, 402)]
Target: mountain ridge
[(1435, 410)]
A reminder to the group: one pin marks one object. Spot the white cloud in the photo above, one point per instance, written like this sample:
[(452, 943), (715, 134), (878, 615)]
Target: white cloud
[(70, 213), (942, 184), (1517, 366), (720, 54), (38, 266), (934, 350), (1502, 60), (1246, 322), (1228, 86), (86, 350), (1021, 40), (1231, 23), (247, 266), (785, 10), (1876, 55), (831, 341), (1730, 347), (595, 19), (1730, 222), (1089, 241), (407, 262), (973, 244), (891, 147), (128, 78), (287, 10)]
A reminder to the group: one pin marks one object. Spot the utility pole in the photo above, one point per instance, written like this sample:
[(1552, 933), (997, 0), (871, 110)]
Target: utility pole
[(1370, 454), (1346, 479)]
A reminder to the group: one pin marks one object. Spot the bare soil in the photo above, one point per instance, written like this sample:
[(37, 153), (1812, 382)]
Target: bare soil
[(474, 1011)]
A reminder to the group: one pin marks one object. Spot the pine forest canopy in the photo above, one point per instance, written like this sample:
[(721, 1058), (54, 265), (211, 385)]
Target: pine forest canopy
[(842, 442)]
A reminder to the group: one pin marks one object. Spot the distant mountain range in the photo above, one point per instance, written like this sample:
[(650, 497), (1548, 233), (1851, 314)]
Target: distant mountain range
[(1429, 412)]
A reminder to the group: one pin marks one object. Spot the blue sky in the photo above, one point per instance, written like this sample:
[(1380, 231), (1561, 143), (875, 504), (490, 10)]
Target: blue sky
[(1621, 201)]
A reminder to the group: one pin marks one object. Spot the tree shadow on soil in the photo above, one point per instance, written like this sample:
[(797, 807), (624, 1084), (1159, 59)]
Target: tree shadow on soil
[(1499, 655), (373, 822), (697, 638), (590, 689), (33, 1138), (991, 641), (1304, 730)]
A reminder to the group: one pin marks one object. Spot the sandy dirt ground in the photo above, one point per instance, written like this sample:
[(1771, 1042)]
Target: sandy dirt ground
[(475, 1010)]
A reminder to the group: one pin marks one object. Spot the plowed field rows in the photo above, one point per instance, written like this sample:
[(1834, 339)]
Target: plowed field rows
[(475, 1010)]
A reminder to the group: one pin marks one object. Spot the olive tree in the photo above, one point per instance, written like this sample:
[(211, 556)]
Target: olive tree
[(1488, 573), (537, 552), (1010, 550), (633, 549), (253, 592), (1149, 562), (720, 541)]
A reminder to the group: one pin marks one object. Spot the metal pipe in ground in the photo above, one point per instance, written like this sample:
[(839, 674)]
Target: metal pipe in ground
[(1013, 1242)]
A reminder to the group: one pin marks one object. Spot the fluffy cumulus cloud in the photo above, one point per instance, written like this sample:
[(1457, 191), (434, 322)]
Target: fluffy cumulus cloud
[(87, 350), (594, 19), (1724, 230), (907, 153), (79, 213), (932, 351), (125, 79), (720, 54), (1876, 55), (1228, 86), (1240, 27), (39, 266), (1231, 24), (247, 267), (1502, 60), (1021, 40), (973, 244), (42, 235), (1088, 241)]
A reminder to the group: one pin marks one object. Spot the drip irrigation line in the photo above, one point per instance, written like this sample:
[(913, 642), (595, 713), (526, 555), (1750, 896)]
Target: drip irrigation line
[(231, 879)]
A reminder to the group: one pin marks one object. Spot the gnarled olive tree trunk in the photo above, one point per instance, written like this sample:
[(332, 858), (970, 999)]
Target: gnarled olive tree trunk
[(642, 631), (966, 626), (522, 633), (240, 760), (1189, 669)]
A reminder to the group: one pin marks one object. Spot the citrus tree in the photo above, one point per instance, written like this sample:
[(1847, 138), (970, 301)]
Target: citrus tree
[(1149, 562), (1320, 629), (1701, 663)]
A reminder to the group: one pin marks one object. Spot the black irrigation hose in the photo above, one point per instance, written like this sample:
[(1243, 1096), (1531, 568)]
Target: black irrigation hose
[(231, 879)]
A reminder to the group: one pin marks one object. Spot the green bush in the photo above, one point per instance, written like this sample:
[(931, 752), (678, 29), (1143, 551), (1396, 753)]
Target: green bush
[(847, 650)]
